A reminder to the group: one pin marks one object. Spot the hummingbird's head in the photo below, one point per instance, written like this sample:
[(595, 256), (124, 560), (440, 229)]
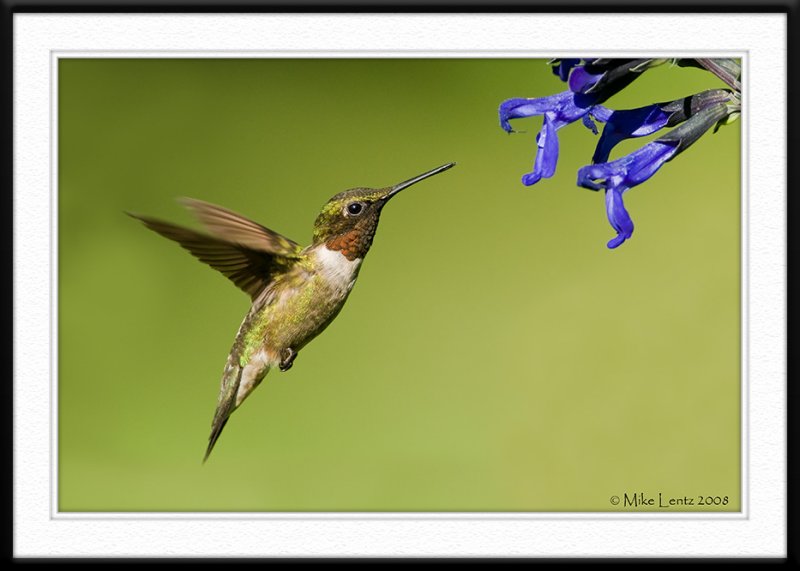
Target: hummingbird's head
[(348, 221)]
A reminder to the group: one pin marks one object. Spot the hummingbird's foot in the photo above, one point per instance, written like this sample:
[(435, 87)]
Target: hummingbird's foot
[(288, 356)]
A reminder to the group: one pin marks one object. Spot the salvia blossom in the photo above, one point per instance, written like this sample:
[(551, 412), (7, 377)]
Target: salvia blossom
[(593, 82)]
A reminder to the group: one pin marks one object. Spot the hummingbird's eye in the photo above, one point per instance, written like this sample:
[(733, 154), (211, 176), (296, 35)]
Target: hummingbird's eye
[(355, 208)]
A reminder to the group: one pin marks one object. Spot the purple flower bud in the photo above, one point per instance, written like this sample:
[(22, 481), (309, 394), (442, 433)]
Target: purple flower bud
[(562, 67), (581, 80)]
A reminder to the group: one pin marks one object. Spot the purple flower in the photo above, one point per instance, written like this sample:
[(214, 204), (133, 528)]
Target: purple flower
[(619, 176), (558, 110), (588, 88), (621, 125), (629, 123), (591, 82)]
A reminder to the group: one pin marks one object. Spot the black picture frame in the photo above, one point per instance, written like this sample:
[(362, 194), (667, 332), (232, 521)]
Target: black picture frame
[(10, 8)]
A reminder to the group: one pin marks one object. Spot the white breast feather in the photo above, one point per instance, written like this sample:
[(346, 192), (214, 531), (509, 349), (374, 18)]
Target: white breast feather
[(337, 270)]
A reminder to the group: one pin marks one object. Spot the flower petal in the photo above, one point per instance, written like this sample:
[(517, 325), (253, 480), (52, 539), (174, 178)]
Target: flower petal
[(618, 217), (544, 166), (562, 105), (558, 110), (628, 171), (601, 113), (629, 123)]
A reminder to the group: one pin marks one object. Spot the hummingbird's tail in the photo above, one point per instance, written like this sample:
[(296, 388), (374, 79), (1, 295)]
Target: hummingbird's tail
[(216, 429), (212, 440), (226, 404), (237, 383)]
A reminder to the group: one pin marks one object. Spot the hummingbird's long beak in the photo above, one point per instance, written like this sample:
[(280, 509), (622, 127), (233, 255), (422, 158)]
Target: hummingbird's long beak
[(398, 187)]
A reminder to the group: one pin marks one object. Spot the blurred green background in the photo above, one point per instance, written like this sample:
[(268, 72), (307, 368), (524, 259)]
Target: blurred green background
[(494, 354)]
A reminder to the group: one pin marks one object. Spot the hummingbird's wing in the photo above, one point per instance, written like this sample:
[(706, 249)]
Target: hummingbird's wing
[(233, 227), (251, 265)]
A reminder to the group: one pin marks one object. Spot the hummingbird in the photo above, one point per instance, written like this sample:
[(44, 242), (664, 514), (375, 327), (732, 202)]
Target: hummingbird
[(295, 292)]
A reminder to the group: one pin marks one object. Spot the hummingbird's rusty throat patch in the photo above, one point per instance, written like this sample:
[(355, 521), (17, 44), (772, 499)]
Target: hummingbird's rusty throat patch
[(351, 245)]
